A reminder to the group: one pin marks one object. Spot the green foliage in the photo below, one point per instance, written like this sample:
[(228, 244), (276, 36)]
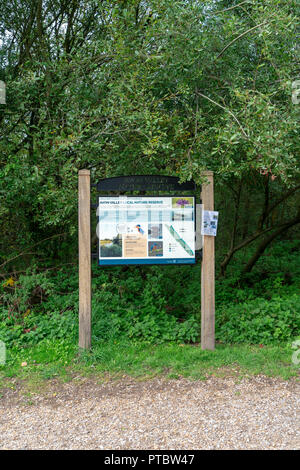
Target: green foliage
[(19, 296), (37, 327), (131, 306), (156, 305), (154, 87), (31, 310), (260, 321)]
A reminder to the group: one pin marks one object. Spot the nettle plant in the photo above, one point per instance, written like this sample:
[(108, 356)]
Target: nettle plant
[(18, 297)]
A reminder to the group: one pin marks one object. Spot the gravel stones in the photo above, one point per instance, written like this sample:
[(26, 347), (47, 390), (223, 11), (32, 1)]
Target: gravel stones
[(218, 413)]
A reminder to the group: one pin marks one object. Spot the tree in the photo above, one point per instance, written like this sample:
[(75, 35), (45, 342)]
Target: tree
[(145, 87)]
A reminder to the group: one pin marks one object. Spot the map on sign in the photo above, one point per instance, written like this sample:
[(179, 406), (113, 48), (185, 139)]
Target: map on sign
[(146, 230)]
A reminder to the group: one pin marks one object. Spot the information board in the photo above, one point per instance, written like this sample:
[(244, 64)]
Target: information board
[(146, 230)]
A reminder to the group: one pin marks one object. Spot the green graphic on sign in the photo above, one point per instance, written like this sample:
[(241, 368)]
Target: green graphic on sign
[(184, 245)]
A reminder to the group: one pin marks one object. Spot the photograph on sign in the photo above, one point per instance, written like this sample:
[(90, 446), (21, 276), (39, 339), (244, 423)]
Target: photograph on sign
[(146, 230)]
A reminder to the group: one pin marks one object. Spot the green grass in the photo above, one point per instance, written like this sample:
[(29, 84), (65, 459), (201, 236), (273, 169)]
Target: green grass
[(190, 360), (61, 360), (145, 320)]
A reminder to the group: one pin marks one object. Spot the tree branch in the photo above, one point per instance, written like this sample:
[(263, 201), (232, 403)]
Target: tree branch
[(234, 6), (283, 198), (228, 110), (251, 239), (263, 245), (27, 252), (240, 36)]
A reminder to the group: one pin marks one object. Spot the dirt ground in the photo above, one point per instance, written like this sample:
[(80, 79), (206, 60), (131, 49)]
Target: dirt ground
[(90, 413)]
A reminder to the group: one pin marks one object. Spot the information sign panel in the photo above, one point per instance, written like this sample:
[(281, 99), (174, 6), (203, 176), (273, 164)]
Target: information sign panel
[(146, 230)]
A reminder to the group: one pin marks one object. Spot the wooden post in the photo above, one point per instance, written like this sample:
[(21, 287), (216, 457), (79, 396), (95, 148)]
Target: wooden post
[(84, 241), (208, 272)]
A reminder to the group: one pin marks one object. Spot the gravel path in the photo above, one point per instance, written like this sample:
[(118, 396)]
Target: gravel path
[(219, 413)]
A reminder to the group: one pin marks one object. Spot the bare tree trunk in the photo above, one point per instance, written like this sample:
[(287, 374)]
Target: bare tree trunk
[(263, 245), (267, 211), (234, 230), (246, 219)]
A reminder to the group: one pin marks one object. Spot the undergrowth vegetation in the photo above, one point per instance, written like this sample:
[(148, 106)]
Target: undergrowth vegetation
[(154, 305)]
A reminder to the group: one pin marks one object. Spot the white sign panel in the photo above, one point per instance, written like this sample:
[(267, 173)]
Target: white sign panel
[(199, 236), (146, 230)]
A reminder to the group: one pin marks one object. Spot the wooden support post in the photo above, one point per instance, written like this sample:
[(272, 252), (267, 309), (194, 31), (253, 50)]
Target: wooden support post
[(208, 272), (84, 241)]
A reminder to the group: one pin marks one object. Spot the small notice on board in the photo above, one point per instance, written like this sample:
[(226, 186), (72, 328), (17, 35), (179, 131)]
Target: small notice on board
[(209, 223)]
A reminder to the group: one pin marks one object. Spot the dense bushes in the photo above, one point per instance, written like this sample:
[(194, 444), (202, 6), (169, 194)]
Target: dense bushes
[(260, 321), (153, 305)]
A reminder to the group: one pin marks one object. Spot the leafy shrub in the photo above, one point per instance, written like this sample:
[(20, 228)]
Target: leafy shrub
[(135, 308), (154, 304), (19, 296), (38, 327), (259, 321), (32, 310)]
